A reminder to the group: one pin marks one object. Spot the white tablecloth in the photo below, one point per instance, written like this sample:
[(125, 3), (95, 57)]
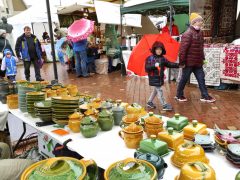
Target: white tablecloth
[(108, 147), (126, 55), (3, 116)]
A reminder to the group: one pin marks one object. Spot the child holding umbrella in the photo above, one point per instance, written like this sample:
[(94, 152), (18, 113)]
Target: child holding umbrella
[(154, 66)]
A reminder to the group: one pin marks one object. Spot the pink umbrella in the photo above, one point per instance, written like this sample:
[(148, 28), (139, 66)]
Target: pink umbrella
[(80, 30)]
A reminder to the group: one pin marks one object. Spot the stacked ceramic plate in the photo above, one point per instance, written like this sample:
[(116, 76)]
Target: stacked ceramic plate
[(43, 110), (22, 90), (204, 141), (233, 154), (33, 97), (62, 107)]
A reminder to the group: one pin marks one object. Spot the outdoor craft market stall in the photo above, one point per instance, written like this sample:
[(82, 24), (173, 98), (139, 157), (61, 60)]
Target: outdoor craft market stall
[(111, 131)]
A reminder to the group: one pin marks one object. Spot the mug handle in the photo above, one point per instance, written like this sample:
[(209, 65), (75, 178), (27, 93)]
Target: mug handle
[(92, 169), (120, 133)]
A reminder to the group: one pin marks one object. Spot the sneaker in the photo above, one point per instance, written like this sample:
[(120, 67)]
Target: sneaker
[(181, 99), (209, 99), (151, 105), (39, 79), (167, 107)]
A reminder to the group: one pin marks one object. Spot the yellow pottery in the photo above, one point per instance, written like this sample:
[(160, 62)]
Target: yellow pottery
[(153, 125), (188, 152), (132, 135), (196, 171), (194, 128), (12, 101)]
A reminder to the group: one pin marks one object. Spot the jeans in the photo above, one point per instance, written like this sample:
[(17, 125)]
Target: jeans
[(157, 92), (200, 76), (27, 65), (81, 63), (11, 78)]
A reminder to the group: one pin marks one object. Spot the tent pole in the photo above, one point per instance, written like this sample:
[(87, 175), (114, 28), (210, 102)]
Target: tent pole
[(52, 40), (123, 69), (32, 27)]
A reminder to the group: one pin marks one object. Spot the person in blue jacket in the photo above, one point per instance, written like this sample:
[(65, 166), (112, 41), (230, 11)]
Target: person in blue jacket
[(80, 50), (28, 48), (9, 64)]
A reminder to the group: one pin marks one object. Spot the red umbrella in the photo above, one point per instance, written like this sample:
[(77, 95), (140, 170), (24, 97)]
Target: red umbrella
[(80, 30), (140, 52)]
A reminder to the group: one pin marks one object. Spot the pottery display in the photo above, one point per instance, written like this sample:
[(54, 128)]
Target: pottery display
[(89, 127), (12, 101), (118, 112), (51, 93), (107, 105), (43, 110), (131, 169), (74, 125), (132, 135), (194, 128), (72, 90), (233, 154), (172, 138), (31, 98), (204, 141), (197, 171), (152, 124), (76, 116), (61, 168), (134, 109), (62, 92), (188, 152), (177, 122), (22, 101), (129, 119), (105, 119), (155, 160), (62, 107), (154, 146)]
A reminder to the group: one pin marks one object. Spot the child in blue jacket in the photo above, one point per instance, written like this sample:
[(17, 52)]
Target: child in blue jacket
[(9, 64)]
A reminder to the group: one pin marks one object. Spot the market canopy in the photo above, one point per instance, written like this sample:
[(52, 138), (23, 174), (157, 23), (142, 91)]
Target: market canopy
[(156, 6), (75, 7)]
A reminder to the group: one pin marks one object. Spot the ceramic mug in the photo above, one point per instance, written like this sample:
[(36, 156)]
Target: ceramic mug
[(131, 139), (74, 125)]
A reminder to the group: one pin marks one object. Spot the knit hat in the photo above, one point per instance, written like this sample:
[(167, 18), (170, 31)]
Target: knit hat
[(194, 17), (2, 31), (6, 51)]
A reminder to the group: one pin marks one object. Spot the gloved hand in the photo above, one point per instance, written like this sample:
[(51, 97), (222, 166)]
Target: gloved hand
[(156, 64)]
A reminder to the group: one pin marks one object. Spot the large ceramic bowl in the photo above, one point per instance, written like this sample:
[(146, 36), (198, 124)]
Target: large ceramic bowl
[(60, 168), (196, 171), (131, 169), (188, 152)]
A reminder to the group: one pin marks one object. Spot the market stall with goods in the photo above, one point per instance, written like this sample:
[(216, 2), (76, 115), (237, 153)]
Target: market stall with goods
[(117, 140)]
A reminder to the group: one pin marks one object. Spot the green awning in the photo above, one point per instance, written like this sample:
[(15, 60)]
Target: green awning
[(157, 6)]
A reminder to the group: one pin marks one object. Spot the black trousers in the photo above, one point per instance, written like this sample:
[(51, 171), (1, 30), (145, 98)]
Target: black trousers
[(27, 65)]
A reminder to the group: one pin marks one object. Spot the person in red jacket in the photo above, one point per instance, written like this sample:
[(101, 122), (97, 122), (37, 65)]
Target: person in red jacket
[(166, 29), (191, 55)]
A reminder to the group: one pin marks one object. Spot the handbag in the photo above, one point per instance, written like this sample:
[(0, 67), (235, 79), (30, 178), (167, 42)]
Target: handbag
[(1, 53)]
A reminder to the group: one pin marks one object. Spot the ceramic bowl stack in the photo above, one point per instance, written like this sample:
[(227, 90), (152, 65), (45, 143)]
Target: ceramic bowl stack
[(43, 110), (22, 90), (31, 98), (205, 141), (233, 154), (62, 107)]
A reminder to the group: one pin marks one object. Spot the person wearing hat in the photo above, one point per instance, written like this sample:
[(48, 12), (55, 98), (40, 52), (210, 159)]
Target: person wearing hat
[(9, 65), (191, 56), (4, 44), (166, 29)]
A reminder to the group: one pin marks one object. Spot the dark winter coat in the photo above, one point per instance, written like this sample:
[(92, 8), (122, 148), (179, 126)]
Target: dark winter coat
[(156, 78), (8, 46), (191, 49)]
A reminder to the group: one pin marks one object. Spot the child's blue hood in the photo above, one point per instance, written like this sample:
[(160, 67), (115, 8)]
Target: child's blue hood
[(7, 51)]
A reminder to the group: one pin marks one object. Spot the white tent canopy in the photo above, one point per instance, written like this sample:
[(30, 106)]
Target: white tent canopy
[(74, 7), (35, 17)]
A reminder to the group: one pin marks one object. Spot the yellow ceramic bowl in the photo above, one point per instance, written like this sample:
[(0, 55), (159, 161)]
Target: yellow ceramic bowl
[(49, 162), (196, 171), (153, 177), (188, 152)]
